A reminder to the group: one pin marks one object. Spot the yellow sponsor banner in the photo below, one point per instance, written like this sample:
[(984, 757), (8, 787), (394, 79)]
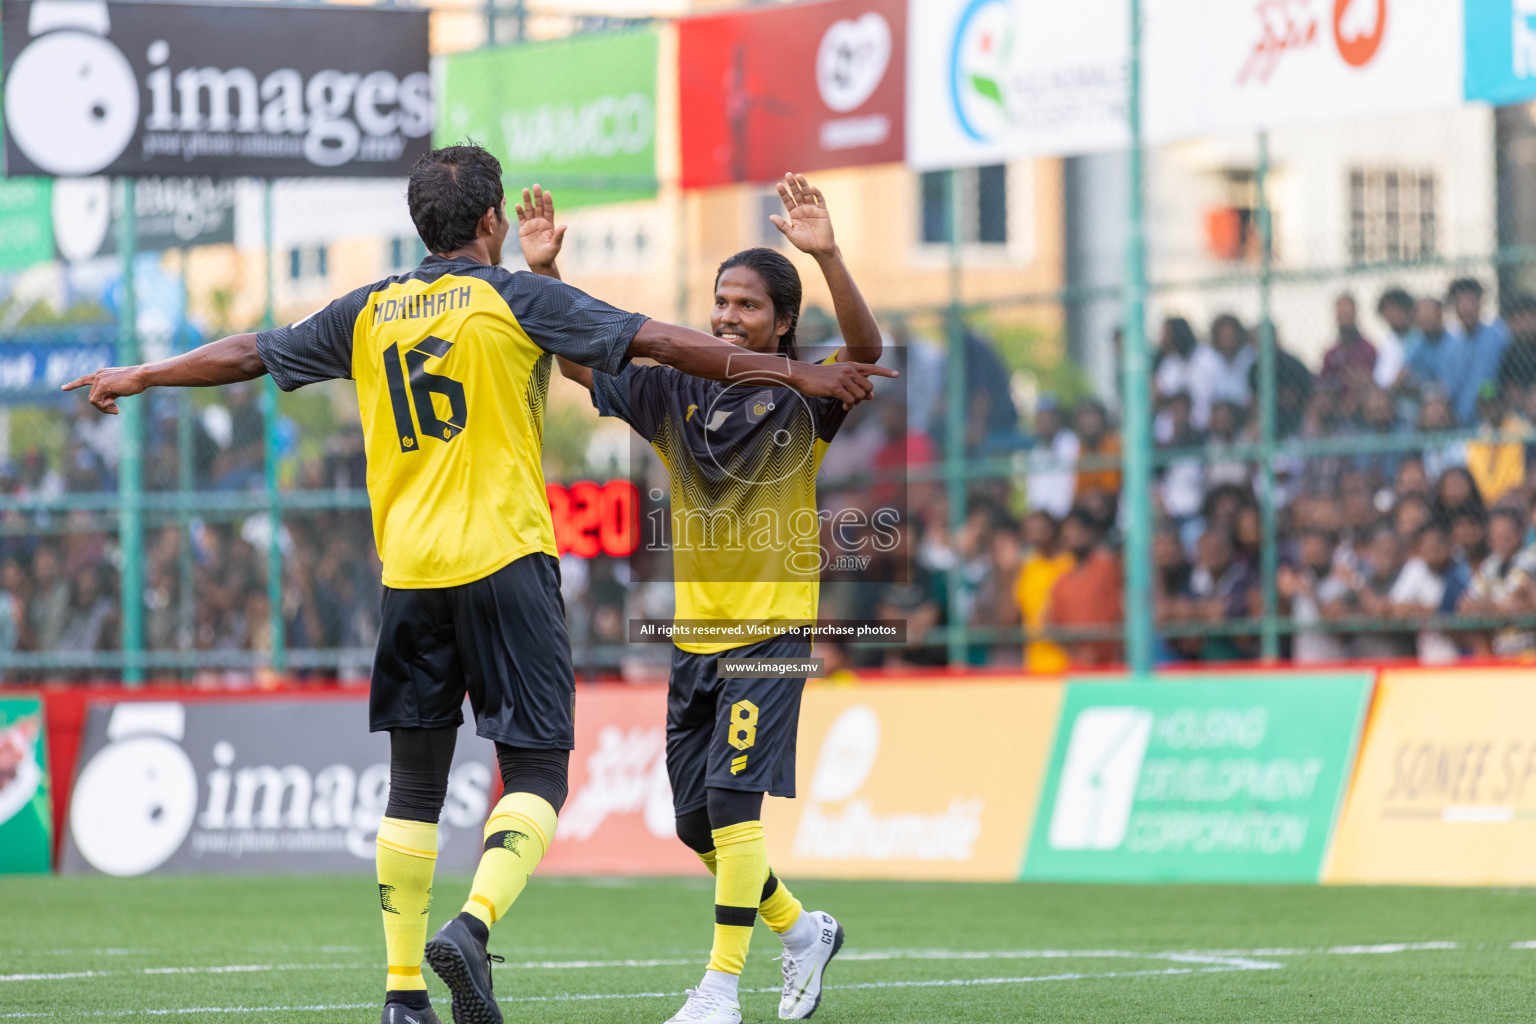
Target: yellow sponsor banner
[(923, 780), (1445, 788)]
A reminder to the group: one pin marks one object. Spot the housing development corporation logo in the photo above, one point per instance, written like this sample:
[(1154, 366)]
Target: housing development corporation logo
[(1098, 778), (143, 88)]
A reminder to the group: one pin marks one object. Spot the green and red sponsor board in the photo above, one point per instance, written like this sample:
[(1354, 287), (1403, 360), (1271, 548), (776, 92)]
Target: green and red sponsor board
[(26, 816)]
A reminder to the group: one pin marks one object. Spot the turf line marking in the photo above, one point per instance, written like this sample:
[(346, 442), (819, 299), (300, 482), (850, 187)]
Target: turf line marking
[(1217, 968), (1232, 955)]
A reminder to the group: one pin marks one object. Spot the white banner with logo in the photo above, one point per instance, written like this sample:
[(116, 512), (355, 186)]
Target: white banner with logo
[(1214, 66), (992, 80)]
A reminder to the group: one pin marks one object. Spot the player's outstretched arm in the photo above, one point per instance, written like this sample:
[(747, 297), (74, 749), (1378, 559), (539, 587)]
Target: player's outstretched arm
[(703, 355), (226, 361), (541, 242), (808, 225)]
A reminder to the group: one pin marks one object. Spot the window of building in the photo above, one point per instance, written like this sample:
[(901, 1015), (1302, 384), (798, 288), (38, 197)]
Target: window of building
[(1392, 215), (305, 261), (982, 205), (405, 251)]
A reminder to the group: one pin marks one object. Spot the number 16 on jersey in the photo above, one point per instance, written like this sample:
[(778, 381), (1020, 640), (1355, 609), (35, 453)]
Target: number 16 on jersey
[(423, 385)]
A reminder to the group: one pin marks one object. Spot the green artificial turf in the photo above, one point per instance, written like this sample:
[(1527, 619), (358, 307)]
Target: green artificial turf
[(309, 950)]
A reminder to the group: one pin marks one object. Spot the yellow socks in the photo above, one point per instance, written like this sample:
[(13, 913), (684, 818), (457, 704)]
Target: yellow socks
[(517, 834), (777, 906), (741, 865), (406, 855)]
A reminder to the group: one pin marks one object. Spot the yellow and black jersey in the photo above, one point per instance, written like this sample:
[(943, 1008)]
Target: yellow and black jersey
[(743, 458), (452, 364)]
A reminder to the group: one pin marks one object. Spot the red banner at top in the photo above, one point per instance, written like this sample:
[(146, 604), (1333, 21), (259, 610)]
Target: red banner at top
[(792, 89)]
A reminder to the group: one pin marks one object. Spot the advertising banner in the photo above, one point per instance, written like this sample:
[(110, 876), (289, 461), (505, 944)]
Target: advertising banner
[(1228, 780), (925, 780), (26, 816), (1501, 50), (1446, 789), (618, 818), (26, 222), (993, 80), (1218, 66), (93, 87), (285, 786), (576, 115), (170, 213), (794, 88)]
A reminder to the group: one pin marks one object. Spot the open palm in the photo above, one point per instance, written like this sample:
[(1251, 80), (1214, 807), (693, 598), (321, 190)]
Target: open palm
[(536, 232), (806, 223)]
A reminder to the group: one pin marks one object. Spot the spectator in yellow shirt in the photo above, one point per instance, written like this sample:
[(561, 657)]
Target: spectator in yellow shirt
[(1496, 459), (1045, 563)]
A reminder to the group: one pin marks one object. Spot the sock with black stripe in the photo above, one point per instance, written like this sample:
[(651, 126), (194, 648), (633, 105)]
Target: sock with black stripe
[(741, 865), (405, 853), (517, 835)]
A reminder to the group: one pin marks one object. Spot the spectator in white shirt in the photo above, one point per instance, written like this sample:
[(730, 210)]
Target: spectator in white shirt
[(1429, 585), (1051, 476), (1218, 372)]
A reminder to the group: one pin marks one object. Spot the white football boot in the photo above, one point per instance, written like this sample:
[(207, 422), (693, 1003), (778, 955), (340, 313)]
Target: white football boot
[(707, 1008), (803, 970)]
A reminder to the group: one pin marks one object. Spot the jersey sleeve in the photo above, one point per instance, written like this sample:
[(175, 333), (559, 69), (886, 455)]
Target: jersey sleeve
[(828, 412), (569, 322), (636, 395), (317, 348)]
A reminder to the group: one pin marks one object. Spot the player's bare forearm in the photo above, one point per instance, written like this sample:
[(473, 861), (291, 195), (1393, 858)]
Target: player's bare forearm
[(575, 371), (226, 361), (703, 355), (861, 334), (546, 270)]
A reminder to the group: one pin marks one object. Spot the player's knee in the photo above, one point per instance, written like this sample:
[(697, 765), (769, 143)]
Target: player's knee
[(418, 772), (693, 830), (544, 773), (729, 807)]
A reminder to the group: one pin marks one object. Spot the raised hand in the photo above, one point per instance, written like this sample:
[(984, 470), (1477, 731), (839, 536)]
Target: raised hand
[(536, 232), (806, 223)]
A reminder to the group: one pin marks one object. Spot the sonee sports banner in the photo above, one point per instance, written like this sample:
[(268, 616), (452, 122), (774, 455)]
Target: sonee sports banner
[(175, 89)]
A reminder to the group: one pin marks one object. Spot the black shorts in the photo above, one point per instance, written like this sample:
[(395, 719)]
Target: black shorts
[(731, 733), (501, 639)]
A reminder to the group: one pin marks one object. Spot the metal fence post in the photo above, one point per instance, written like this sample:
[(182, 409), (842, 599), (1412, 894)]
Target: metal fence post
[(269, 457), (186, 482), (1268, 547), (130, 466), (1136, 476), (954, 432)]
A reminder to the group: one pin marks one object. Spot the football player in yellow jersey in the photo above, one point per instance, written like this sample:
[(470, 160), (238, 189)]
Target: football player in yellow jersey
[(743, 459), (451, 363)]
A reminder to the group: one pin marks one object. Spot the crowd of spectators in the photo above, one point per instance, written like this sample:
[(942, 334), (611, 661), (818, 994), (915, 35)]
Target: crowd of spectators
[(1403, 503)]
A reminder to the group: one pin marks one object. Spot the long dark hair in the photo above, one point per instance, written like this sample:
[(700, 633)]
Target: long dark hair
[(782, 282)]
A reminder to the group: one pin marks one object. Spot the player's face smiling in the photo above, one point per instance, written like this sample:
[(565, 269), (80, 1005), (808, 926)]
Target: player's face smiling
[(744, 313)]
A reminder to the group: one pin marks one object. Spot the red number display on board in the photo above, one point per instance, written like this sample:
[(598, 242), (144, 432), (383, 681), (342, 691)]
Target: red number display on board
[(592, 519)]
